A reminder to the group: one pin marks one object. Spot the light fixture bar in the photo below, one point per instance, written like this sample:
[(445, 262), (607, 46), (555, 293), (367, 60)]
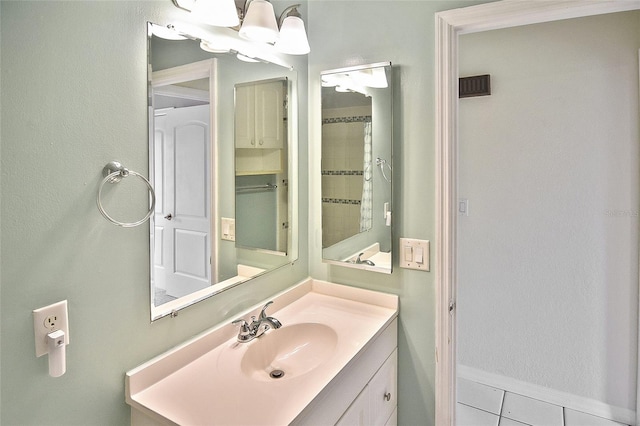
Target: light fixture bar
[(257, 21)]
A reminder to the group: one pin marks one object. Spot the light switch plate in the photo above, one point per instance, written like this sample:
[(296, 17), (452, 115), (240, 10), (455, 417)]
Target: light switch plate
[(228, 228), (414, 254)]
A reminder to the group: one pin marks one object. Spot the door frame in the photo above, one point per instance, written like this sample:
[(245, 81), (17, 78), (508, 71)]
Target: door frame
[(449, 25)]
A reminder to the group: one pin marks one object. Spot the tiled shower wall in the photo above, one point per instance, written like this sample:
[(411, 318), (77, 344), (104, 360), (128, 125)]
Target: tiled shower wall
[(342, 171)]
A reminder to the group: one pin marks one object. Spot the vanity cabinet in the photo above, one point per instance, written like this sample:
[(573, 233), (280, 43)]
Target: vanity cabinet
[(364, 393), (260, 127)]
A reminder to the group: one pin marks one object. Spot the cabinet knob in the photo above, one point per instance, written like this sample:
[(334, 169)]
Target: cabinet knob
[(261, 142), (387, 396), (253, 142), (169, 216)]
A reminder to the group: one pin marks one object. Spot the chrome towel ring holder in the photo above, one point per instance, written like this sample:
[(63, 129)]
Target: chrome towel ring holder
[(382, 163), (114, 172)]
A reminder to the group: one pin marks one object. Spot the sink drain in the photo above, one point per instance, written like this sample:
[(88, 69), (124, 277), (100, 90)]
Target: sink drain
[(277, 374)]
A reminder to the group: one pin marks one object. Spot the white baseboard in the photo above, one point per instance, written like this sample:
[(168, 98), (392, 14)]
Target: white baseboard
[(552, 396)]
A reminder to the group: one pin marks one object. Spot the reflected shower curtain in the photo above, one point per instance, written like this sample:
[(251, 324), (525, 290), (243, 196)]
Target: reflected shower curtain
[(367, 184)]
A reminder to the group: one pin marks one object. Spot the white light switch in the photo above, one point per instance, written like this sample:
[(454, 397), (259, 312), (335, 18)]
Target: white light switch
[(414, 254), (419, 255), (408, 253), (463, 207)]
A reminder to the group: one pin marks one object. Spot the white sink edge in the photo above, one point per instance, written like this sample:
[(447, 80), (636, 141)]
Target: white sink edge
[(155, 370)]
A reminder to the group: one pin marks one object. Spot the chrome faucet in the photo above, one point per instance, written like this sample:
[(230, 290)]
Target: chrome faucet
[(366, 261), (257, 327)]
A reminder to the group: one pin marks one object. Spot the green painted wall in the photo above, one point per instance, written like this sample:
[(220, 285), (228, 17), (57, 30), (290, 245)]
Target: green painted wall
[(346, 33), (73, 98), (73, 82)]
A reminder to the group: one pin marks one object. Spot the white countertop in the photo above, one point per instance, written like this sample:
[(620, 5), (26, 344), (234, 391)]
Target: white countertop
[(201, 381)]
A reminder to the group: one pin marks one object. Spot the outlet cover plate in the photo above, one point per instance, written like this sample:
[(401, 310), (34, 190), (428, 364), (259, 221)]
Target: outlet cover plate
[(47, 320)]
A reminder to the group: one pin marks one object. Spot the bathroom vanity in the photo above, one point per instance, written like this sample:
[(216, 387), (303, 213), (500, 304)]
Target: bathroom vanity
[(333, 361)]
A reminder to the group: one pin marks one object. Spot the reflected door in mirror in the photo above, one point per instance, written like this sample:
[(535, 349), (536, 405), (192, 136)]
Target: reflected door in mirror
[(182, 222)]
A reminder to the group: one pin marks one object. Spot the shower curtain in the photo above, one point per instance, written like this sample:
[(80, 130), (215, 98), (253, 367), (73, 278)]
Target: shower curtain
[(367, 181)]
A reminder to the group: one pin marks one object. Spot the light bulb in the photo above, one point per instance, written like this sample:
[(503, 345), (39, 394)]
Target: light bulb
[(293, 37), (260, 23), (220, 13)]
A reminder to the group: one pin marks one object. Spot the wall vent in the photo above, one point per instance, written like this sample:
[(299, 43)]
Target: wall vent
[(477, 85)]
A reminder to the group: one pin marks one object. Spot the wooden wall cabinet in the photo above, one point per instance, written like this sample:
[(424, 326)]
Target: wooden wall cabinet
[(260, 127)]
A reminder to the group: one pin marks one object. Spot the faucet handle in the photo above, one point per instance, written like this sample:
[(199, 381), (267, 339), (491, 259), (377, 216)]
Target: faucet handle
[(244, 335), (263, 314), (244, 326)]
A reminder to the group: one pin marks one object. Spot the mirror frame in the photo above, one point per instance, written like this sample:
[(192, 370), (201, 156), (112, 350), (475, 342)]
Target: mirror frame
[(363, 266)]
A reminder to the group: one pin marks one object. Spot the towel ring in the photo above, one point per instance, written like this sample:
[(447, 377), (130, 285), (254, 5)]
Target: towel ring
[(381, 162), (114, 172)]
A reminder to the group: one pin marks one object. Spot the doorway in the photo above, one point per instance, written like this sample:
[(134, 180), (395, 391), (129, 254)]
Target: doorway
[(449, 26), (548, 253)]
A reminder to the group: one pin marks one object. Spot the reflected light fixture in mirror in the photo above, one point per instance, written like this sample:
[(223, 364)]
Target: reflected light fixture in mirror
[(258, 22), (209, 47)]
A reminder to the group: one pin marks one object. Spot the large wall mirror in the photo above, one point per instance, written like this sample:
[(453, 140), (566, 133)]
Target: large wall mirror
[(223, 162), (357, 167)]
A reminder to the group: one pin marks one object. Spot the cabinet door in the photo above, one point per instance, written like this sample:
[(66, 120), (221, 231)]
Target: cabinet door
[(245, 117), (383, 391), (393, 420), (359, 413), (270, 115)]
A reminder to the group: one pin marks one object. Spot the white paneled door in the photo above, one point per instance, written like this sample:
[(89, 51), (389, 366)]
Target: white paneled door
[(182, 235)]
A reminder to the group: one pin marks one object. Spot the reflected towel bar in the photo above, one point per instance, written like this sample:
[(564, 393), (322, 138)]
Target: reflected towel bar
[(266, 187)]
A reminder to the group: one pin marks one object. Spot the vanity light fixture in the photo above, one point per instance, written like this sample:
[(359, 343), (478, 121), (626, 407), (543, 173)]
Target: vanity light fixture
[(168, 33), (246, 58), (257, 21), (293, 37), (219, 13)]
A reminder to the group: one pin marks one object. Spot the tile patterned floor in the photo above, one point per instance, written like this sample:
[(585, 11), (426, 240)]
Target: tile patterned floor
[(482, 405), (161, 297)]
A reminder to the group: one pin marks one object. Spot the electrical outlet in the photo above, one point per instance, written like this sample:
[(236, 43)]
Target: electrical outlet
[(47, 320)]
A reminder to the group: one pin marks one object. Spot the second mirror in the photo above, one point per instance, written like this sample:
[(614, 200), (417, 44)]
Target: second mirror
[(357, 167)]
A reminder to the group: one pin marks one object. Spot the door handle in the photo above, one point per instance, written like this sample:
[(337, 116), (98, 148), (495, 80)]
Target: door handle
[(169, 216)]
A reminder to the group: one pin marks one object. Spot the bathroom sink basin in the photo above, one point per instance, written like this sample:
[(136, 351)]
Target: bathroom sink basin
[(214, 379), (288, 352)]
